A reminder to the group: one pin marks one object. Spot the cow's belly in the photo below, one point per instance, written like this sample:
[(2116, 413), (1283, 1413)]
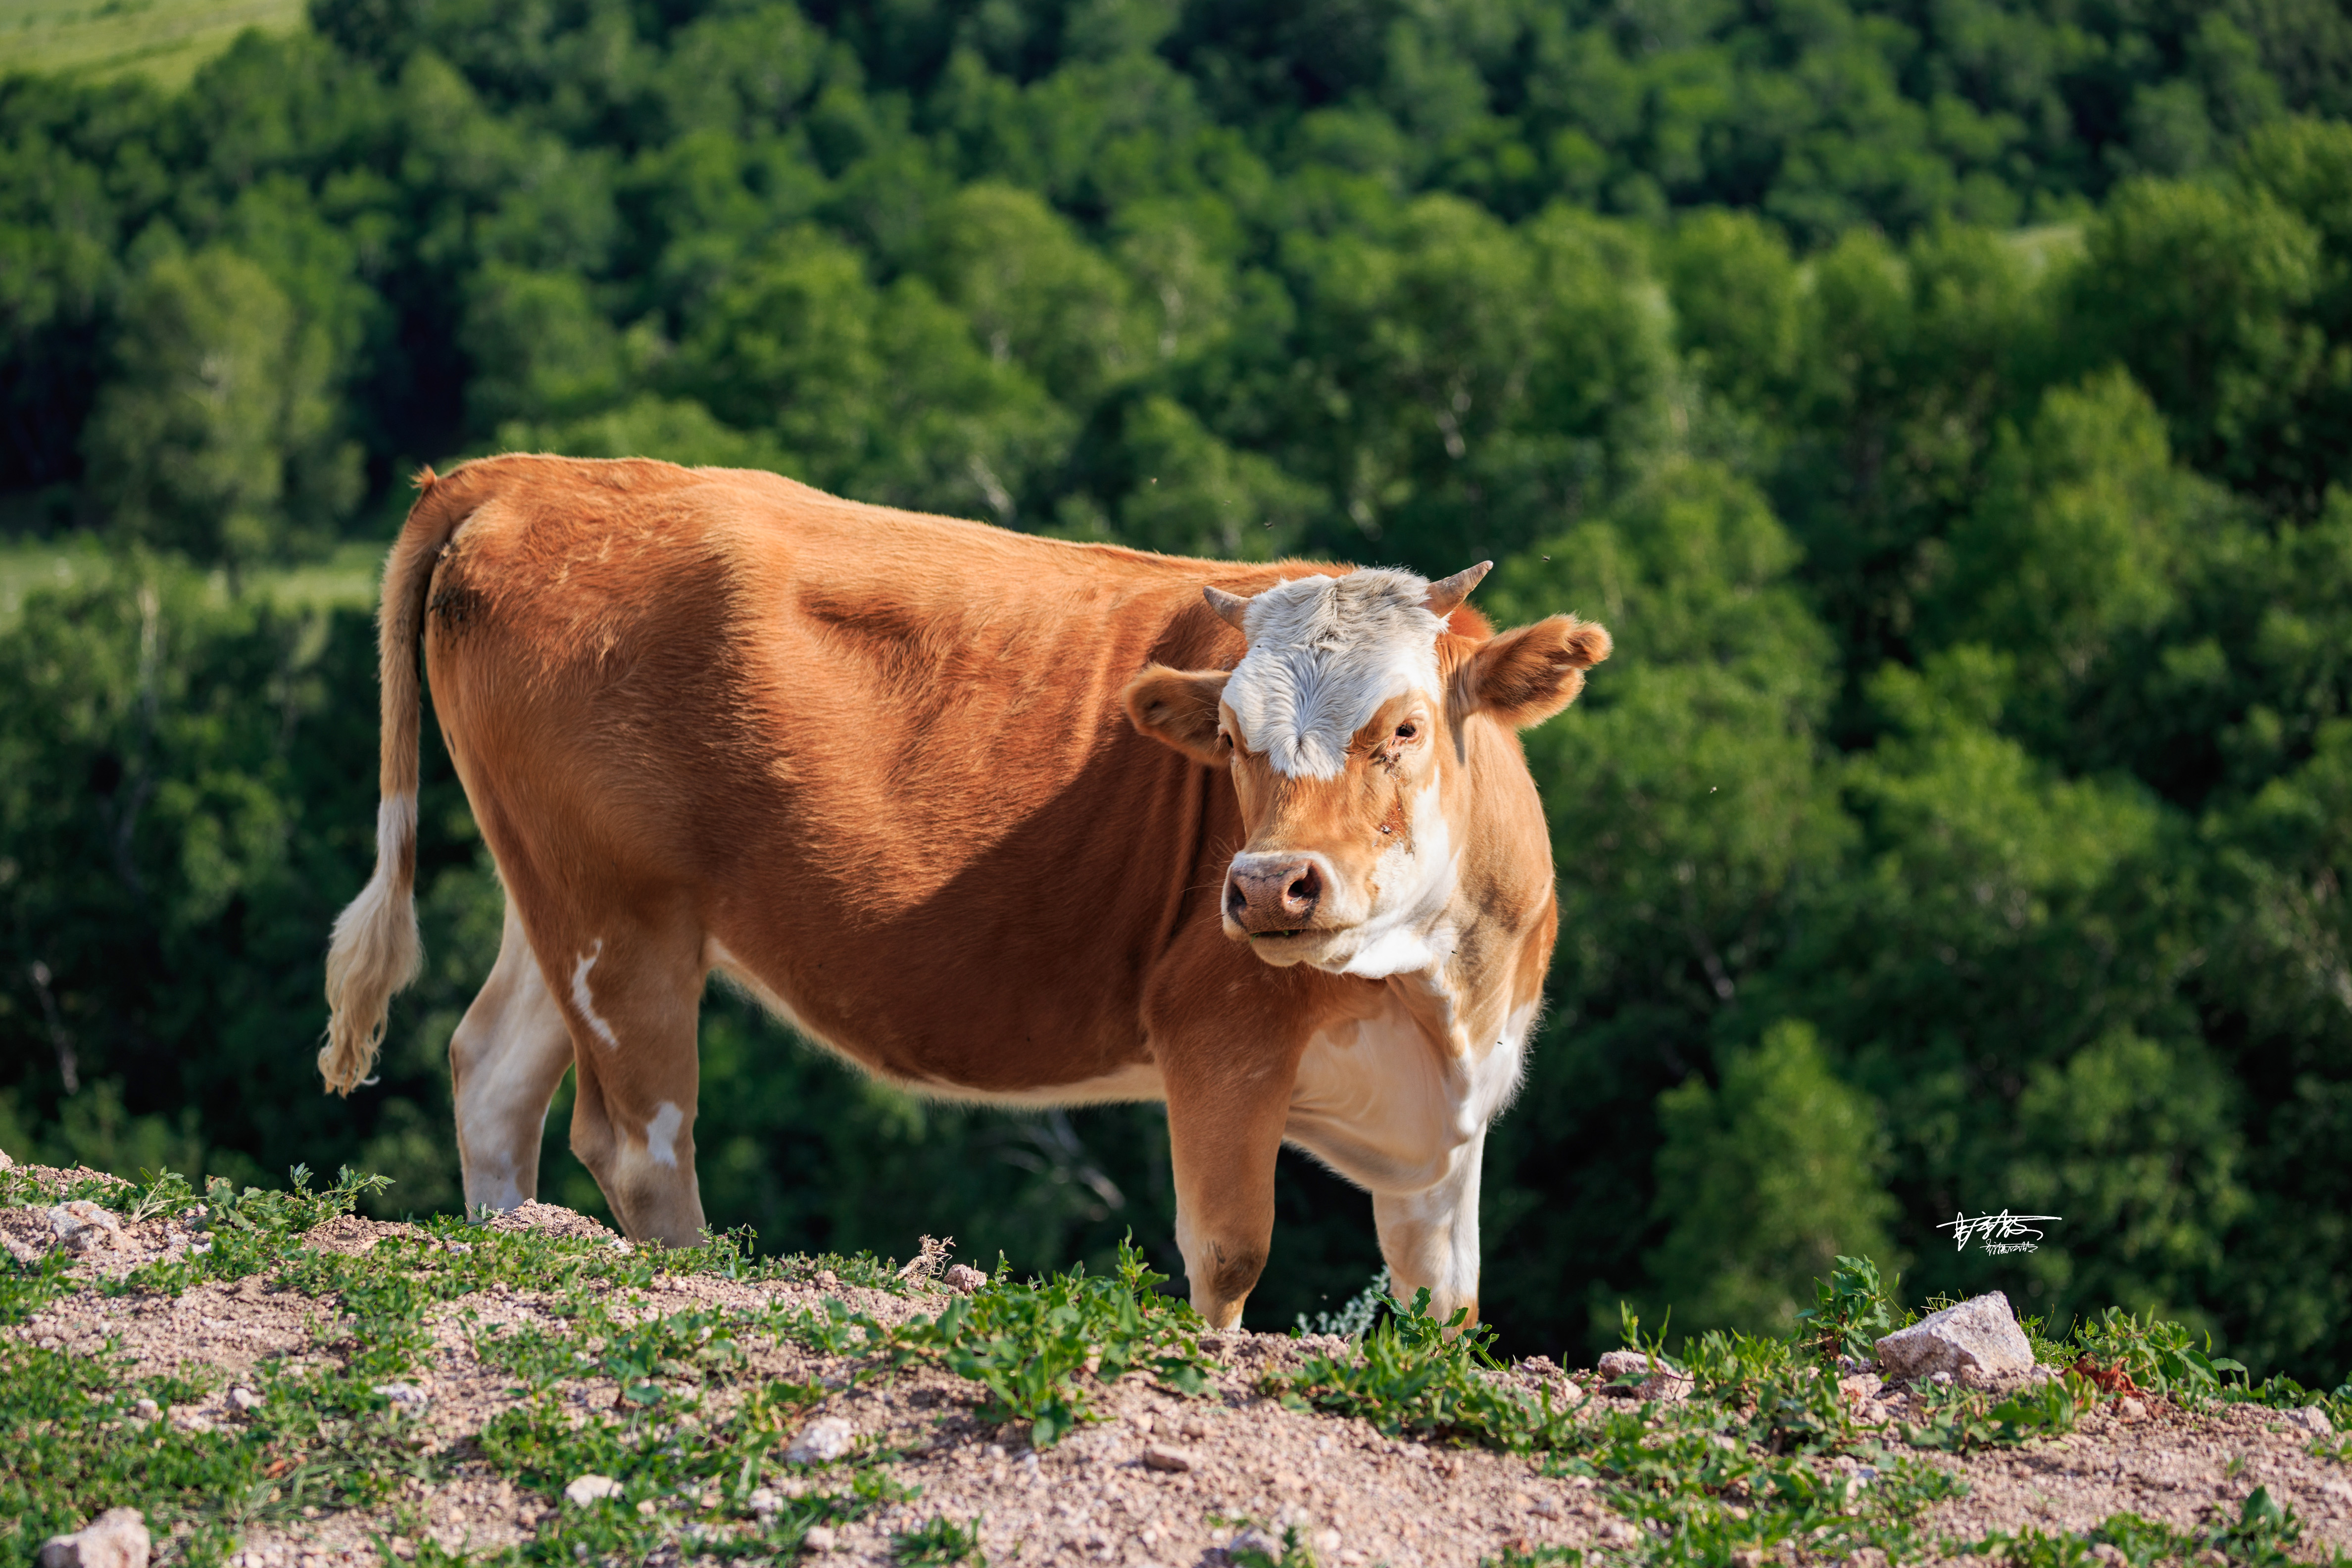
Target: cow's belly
[(1381, 1104), (1110, 1082)]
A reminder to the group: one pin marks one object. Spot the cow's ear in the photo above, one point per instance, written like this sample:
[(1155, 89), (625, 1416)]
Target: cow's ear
[(1179, 708), (1529, 673)]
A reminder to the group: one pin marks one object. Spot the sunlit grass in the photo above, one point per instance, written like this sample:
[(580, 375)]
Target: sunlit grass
[(164, 40), (346, 577)]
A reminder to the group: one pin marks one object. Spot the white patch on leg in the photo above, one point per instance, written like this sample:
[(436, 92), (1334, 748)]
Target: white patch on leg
[(661, 1134), (586, 1003)]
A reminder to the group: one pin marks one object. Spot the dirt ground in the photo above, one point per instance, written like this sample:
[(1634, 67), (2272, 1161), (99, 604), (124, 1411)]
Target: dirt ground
[(1357, 1497)]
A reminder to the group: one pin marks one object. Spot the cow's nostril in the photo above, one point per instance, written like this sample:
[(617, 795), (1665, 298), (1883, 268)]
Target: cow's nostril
[(1236, 901), (1302, 890)]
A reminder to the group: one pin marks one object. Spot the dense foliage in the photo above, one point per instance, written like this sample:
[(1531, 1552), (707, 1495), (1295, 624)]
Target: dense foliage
[(1961, 825)]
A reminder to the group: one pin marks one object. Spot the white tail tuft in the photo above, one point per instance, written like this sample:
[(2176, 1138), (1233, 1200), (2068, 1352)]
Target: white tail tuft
[(376, 949)]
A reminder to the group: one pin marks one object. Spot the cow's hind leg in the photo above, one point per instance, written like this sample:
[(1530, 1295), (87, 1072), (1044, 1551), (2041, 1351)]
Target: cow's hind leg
[(633, 992), (1430, 1239), (505, 1061)]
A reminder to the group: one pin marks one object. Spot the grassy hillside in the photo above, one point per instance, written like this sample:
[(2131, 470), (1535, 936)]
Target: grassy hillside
[(163, 39)]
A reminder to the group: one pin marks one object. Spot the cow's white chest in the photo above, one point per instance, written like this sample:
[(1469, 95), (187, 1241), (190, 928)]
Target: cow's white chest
[(1383, 1104)]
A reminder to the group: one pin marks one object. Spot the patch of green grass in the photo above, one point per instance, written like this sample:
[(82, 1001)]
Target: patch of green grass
[(334, 1437), (1962, 1421), (1411, 1375), (2263, 1535), (941, 1542), (165, 40), (1029, 1345)]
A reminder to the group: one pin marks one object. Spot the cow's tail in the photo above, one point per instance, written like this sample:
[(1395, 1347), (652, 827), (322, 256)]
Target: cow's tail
[(376, 949)]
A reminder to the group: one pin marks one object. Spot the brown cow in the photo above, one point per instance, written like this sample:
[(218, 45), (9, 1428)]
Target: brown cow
[(963, 805)]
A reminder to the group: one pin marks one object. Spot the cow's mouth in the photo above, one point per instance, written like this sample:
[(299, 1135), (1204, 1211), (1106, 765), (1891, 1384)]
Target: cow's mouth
[(1274, 935)]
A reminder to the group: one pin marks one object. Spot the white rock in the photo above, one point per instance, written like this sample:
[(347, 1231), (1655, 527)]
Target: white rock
[(29, 1256), (115, 1538), (1254, 1540), (962, 1279), (821, 1442), (146, 1410), (1980, 1332), (1175, 1462), (586, 1490), (245, 1399), (820, 1538), (406, 1393), (2312, 1419), (763, 1503), (83, 1227), (1659, 1380), (6, 1163)]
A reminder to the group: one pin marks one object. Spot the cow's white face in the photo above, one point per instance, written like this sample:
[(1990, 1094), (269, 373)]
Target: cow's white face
[(1340, 729)]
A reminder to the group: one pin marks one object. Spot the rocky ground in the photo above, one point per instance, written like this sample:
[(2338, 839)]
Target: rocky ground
[(458, 1436)]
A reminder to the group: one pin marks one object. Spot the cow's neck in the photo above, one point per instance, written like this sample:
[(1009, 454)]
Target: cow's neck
[(1460, 998)]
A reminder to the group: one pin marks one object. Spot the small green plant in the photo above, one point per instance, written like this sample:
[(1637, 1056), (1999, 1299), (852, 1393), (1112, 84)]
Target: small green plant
[(1412, 1375), (1962, 1421), (1852, 1310), (1030, 1345), (2156, 1356), (1295, 1553), (940, 1541)]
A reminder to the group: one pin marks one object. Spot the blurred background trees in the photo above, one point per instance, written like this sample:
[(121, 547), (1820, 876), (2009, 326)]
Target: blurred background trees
[(1948, 409)]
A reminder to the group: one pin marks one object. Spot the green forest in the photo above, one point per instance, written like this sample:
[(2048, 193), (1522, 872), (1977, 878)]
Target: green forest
[(1947, 406)]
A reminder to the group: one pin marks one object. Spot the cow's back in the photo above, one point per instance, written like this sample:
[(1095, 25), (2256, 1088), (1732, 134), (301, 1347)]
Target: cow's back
[(879, 756)]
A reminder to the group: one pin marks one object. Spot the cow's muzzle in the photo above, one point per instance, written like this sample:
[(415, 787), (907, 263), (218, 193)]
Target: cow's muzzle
[(1274, 897)]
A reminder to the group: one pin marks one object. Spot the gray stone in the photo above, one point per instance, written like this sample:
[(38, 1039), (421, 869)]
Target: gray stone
[(2310, 1419), (962, 1279), (586, 1490), (821, 1442), (1175, 1462), (1980, 1332), (83, 1227), (115, 1538)]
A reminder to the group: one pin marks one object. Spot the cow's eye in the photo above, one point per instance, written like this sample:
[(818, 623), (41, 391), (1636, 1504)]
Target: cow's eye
[(1407, 731)]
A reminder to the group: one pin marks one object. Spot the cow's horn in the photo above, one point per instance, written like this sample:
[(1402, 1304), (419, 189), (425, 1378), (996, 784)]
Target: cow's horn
[(1445, 595), (1231, 607)]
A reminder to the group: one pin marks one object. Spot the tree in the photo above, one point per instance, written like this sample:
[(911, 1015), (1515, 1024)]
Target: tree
[(218, 435), (1762, 1182)]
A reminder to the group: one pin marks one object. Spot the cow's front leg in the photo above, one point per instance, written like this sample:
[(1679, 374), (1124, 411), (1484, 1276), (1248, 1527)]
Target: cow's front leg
[(1224, 1133), (1430, 1239)]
